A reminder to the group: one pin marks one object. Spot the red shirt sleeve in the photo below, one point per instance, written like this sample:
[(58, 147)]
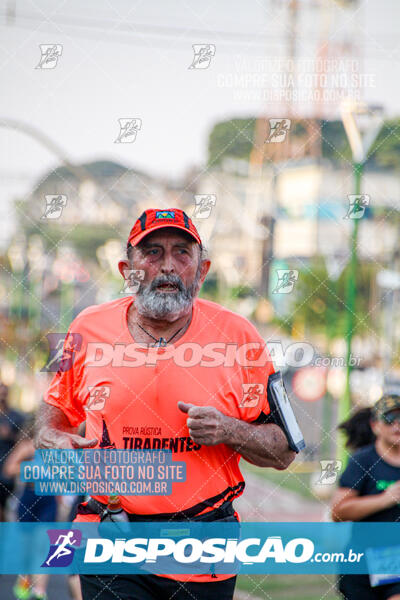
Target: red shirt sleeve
[(65, 387), (256, 368)]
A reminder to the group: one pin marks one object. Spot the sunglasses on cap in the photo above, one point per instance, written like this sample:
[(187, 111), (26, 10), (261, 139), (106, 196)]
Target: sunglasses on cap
[(391, 418)]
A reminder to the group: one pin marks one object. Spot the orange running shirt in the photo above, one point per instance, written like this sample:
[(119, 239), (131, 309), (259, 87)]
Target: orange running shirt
[(128, 396)]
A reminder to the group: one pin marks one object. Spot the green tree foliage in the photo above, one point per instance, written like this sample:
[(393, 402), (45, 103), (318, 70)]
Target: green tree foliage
[(386, 149), (85, 239), (335, 145), (234, 138), (319, 303)]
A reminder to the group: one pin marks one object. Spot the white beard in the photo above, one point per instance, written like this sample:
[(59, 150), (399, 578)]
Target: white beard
[(169, 306)]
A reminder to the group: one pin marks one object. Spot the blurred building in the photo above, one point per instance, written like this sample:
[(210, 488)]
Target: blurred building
[(101, 192), (313, 203), (307, 201), (234, 231)]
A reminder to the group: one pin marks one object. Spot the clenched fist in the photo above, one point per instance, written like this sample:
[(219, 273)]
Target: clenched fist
[(207, 425)]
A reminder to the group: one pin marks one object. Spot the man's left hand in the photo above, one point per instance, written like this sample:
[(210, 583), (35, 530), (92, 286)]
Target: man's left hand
[(207, 425)]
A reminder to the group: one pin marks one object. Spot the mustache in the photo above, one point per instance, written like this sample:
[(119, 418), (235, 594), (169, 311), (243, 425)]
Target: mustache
[(163, 279)]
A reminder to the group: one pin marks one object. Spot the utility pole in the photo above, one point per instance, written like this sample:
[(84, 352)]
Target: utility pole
[(11, 11)]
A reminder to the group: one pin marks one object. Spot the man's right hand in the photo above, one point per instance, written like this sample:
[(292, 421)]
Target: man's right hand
[(54, 438), (53, 430)]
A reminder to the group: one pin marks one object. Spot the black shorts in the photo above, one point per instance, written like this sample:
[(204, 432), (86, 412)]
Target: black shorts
[(357, 587), (153, 587)]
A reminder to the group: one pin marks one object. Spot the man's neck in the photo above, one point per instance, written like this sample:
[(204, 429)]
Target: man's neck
[(157, 327)]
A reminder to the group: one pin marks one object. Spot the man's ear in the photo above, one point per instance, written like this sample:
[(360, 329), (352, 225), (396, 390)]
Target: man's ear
[(124, 265), (205, 267)]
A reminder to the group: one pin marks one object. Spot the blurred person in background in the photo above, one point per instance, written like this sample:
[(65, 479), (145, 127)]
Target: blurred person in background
[(358, 430), (31, 508), (11, 422), (369, 488)]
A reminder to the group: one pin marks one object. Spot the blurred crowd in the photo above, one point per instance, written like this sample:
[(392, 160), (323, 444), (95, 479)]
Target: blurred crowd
[(18, 501)]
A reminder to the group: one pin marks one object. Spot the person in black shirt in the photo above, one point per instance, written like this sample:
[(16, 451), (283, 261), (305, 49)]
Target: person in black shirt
[(370, 488), (11, 423)]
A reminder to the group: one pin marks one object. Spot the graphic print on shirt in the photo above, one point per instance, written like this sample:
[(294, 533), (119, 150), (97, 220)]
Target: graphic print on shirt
[(105, 438)]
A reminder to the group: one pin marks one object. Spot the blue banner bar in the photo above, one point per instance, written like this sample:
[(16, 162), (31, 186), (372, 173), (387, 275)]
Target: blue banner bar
[(194, 547)]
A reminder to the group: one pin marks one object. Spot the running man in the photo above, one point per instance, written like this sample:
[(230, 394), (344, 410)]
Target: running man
[(62, 542), (192, 400)]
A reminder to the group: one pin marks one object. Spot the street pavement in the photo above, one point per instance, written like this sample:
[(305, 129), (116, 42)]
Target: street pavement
[(265, 501)]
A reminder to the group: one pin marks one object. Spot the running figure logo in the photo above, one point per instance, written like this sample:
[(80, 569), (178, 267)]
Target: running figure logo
[(61, 552), (54, 206), (357, 205), (128, 129), (50, 54), (203, 54), (62, 351), (278, 129), (286, 280)]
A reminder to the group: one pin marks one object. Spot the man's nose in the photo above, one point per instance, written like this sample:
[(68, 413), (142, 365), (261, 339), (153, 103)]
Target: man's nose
[(167, 264)]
